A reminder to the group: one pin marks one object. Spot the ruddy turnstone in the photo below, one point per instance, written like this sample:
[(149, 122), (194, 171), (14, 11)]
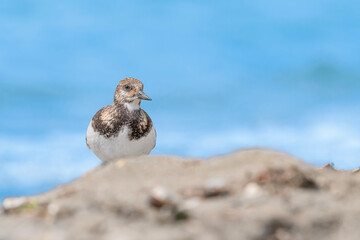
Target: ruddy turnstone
[(122, 129)]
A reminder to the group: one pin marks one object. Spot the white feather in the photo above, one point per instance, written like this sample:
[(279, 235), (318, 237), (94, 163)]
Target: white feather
[(113, 148)]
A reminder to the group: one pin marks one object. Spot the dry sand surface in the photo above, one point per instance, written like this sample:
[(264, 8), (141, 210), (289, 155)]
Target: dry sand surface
[(250, 194)]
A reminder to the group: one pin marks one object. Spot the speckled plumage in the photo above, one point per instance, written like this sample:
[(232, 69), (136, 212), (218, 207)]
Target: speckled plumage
[(110, 120), (122, 129)]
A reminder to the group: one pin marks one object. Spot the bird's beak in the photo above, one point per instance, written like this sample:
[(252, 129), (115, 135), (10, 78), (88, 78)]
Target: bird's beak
[(143, 96)]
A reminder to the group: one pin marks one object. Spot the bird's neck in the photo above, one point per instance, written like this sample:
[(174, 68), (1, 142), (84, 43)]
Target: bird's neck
[(134, 105)]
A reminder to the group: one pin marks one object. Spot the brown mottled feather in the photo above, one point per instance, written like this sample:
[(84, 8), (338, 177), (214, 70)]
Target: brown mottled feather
[(111, 120)]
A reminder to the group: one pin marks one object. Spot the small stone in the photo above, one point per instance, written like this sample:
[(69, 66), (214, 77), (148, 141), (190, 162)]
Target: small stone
[(253, 190), (215, 187), (160, 197), (12, 203)]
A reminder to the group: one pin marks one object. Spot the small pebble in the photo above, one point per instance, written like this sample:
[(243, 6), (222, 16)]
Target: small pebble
[(11, 203), (215, 187), (160, 197), (253, 190)]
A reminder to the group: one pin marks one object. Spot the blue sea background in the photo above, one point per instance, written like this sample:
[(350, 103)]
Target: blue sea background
[(223, 75)]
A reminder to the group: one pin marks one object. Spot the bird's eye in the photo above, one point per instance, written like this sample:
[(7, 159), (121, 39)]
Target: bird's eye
[(126, 87)]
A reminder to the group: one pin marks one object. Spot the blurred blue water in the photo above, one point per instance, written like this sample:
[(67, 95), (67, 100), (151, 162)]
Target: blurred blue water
[(222, 75)]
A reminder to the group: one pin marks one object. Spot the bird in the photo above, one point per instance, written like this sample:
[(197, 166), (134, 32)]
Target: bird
[(122, 129)]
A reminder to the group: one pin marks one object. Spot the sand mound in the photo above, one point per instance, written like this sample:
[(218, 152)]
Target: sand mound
[(249, 194)]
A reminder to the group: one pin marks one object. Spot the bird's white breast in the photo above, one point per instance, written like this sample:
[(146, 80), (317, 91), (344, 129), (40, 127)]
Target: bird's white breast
[(119, 146)]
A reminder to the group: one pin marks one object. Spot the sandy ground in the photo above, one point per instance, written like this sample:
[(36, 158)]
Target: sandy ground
[(250, 194)]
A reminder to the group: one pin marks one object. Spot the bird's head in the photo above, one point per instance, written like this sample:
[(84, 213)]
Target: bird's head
[(129, 92)]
